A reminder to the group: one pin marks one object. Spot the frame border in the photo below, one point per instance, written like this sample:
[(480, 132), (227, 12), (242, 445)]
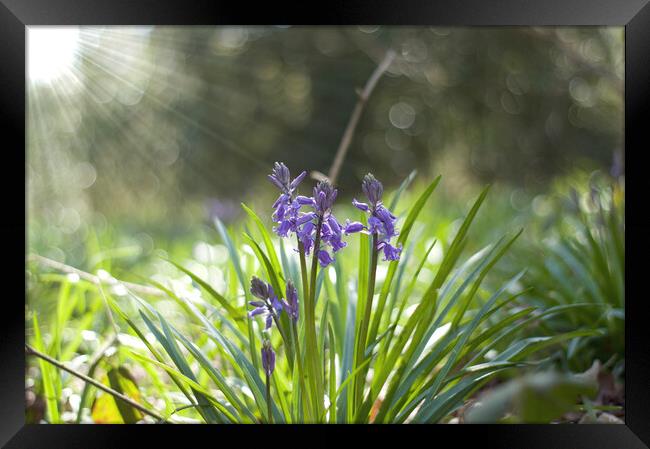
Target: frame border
[(16, 15)]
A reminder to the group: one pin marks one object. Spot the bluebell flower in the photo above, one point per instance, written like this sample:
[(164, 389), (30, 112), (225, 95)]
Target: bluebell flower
[(352, 227), (306, 235), (324, 196), (362, 206), (290, 218), (324, 258), (381, 221), (281, 177), (286, 208), (331, 230), (372, 188), (291, 305), (390, 252), (259, 288), (269, 304), (268, 358)]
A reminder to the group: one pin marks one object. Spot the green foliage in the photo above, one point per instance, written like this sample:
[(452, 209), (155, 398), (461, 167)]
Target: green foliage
[(580, 258), (432, 343), (448, 318), (536, 398), (107, 410)]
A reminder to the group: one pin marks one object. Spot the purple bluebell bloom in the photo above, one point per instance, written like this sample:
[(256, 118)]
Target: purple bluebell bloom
[(381, 221), (352, 227), (390, 252), (360, 206), (290, 219), (324, 258), (331, 231), (305, 200), (291, 304), (372, 188), (269, 305), (286, 208), (324, 196), (306, 235), (268, 358), (259, 289), (281, 177)]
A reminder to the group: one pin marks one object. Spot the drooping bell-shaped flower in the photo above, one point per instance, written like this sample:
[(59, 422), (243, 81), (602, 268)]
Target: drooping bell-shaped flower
[(324, 258), (331, 231), (268, 358), (270, 305), (381, 221), (281, 177), (290, 219), (286, 208), (352, 227), (291, 305), (324, 196), (372, 188), (259, 288)]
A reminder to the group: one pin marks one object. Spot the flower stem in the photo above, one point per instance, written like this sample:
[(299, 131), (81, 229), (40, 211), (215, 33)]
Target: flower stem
[(303, 270), (363, 328), (301, 372), (314, 264), (313, 370), (286, 339), (268, 399)]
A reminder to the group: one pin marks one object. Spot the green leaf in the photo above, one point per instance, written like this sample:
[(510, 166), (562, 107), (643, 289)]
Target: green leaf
[(332, 374), (273, 258), (403, 186), (235, 263), (48, 377), (216, 377), (425, 412), (107, 410), (536, 398), (209, 402), (392, 266), (168, 342), (208, 288)]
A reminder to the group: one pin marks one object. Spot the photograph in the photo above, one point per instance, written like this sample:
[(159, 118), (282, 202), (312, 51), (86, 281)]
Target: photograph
[(350, 224)]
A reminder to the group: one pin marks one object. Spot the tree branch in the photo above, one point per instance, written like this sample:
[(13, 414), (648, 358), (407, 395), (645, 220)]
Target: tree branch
[(346, 140), (29, 350)]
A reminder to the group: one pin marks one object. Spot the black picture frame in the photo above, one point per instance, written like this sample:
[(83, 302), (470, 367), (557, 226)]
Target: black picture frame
[(16, 15)]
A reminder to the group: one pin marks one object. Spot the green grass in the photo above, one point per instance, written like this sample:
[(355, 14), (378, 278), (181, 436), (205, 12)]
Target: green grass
[(580, 258), (469, 301)]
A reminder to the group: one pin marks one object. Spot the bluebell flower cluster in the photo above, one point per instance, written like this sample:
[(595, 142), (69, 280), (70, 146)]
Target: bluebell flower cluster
[(322, 220), (271, 306), (268, 303), (317, 224), (381, 221), (285, 207)]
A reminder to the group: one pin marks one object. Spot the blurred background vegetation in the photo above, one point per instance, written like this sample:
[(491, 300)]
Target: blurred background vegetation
[(139, 136), (156, 128)]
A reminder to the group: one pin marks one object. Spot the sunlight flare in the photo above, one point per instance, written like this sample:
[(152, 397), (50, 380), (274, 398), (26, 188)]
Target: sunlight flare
[(51, 52)]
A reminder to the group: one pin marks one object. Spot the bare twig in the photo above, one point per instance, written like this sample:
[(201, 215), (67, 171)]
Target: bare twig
[(32, 351), (141, 289), (364, 94)]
